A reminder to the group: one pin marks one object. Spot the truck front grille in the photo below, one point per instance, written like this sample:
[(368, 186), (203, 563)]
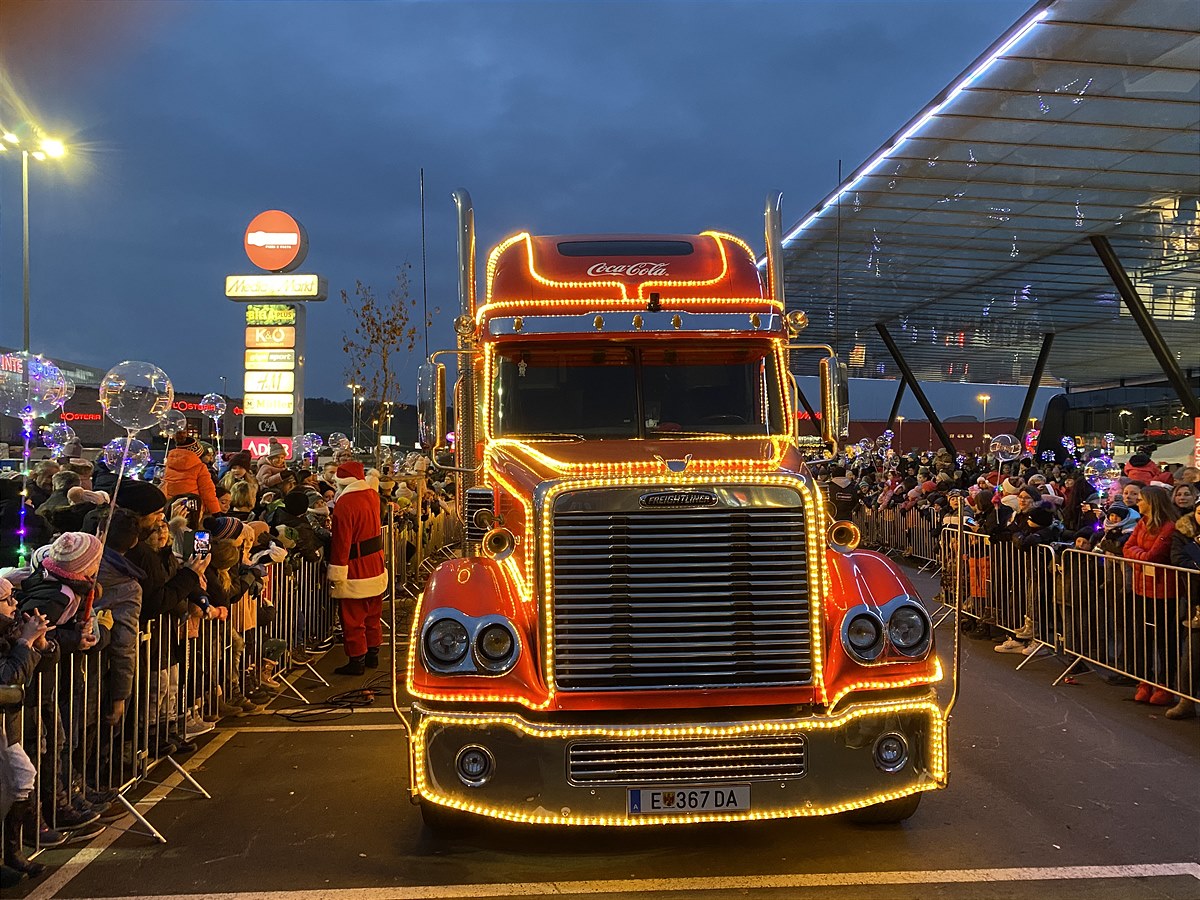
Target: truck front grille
[(656, 599), (686, 761)]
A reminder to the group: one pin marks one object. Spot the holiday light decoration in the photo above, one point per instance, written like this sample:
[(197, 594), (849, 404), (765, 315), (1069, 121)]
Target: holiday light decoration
[(934, 777)]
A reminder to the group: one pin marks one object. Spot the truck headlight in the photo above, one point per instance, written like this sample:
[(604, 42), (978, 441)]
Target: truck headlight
[(863, 635), (909, 630), (446, 641), (496, 646)]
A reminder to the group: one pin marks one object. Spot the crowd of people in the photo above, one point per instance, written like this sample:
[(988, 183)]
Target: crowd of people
[(1148, 514), (88, 566)]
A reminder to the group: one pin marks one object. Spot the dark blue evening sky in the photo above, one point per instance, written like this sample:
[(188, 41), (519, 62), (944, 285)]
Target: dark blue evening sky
[(186, 118)]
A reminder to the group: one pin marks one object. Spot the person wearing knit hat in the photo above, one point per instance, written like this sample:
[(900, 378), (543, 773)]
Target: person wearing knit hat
[(272, 465), (223, 528), (356, 568), (74, 556), (239, 469), (140, 497), (186, 473)]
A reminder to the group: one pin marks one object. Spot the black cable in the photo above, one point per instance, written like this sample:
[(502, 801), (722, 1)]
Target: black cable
[(342, 705)]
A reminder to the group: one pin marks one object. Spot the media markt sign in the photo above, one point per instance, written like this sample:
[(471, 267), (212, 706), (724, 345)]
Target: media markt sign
[(273, 377)]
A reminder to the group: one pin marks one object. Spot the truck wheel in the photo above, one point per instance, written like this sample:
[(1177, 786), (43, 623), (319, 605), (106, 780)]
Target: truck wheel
[(890, 813), (444, 822)]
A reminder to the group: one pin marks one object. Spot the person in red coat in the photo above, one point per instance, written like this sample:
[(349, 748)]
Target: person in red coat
[(356, 568), (1154, 590)]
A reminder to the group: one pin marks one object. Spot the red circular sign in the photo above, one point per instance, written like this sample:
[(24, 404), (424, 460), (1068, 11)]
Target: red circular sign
[(275, 241)]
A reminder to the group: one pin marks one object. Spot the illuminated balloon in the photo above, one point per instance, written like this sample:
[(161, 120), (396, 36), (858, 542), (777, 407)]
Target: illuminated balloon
[(32, 396), (311, 442), (1068, 444), (1031, 439), (1005, 447), (57, 436), (136, 457), (136, 395), (888, 435), (1102, 471), (1048, 455), (213, 405), (69, 392), (172, 423), (338, 441)]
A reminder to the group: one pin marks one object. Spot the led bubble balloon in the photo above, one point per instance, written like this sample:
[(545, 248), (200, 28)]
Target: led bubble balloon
[(136, 395), (338, 441), (1005, 447), (57, 436), (35, 396), (1068, 444), (172, 423), (889, 435), (311, 443), (1102, 471), (1048, 456), (136, 457), (213, 405)]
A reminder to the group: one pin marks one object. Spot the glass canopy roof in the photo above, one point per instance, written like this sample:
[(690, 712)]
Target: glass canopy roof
[(966, 234)]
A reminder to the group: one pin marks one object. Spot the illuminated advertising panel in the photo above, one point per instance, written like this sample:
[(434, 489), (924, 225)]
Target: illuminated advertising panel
[(270, 404), (270, 360), (271, 337), (270, 382)]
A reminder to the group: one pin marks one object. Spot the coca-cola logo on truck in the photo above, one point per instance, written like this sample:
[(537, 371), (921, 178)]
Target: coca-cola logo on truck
[(632, 270)]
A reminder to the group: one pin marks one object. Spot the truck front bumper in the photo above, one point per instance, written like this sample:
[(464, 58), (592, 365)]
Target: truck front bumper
[(534, 774)]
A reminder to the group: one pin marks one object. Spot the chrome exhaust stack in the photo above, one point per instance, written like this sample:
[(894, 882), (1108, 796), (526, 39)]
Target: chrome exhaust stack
[(464, 327)]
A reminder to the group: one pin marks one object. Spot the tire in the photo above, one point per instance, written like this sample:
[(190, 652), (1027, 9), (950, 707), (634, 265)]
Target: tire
[(892, 812), (444, 822)]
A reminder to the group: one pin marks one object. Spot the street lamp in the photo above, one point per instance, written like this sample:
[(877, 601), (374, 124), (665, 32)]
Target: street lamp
[(47, 148), (1124, 422), (900, 433), (355, 406), (984, 398)]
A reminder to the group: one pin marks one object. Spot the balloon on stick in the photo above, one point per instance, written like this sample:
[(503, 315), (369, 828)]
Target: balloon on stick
[(135, 395)]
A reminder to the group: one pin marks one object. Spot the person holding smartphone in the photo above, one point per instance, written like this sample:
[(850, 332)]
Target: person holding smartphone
[(186, 473)]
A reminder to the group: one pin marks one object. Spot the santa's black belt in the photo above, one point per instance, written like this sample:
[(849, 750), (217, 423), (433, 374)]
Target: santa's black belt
[(367, 547)]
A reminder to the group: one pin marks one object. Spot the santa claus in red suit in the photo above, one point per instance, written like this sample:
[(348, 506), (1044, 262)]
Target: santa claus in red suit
[(356, 568)]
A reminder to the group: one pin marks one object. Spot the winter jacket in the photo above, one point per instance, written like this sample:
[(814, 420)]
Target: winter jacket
[(1185, 544), (166, 585), (71, 518), (356, 528), (1146, 473), (186, 474), (122, 599), (844, 495), (19, 664), (269, 475), (1146, 546), (67, 606), (57, 500), (308, 545)]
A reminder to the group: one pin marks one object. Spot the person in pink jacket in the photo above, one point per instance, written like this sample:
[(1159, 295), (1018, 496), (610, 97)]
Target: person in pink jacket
[(356, 568)]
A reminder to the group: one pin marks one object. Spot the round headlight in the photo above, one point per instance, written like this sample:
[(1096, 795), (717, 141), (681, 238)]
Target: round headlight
[(863, 634), (446, 641), (495, 643), (908, 629)]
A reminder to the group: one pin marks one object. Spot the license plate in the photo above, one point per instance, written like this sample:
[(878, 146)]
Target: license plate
[(688, 799)]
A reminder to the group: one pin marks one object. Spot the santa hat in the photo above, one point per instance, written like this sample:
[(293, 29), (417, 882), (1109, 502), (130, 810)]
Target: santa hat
[(74, 556), (350, 472), (1008, 487)]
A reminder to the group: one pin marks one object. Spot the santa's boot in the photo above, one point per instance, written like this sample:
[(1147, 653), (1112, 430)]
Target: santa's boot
[(356, 665), (371, 660)]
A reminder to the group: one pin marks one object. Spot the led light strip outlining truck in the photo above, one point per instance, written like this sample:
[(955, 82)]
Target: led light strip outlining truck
[(653, 621)]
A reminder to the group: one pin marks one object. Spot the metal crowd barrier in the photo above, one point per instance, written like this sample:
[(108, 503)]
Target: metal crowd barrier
[(909, 533), (183, 673)]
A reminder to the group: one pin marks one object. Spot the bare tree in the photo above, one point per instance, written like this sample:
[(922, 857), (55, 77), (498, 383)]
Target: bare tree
[(380, 349)]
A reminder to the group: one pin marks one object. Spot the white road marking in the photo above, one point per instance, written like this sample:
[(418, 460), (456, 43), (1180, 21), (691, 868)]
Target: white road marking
[(62, 876), (715, 883), (344, 726)]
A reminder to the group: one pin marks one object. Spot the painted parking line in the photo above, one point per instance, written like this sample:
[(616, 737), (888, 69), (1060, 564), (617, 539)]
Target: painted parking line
[(716, 883), (69, 870)]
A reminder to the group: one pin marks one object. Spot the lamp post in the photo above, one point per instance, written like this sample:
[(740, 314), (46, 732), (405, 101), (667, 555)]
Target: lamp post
[(355, 403), (984, 398), (900, 433), (47, 147)]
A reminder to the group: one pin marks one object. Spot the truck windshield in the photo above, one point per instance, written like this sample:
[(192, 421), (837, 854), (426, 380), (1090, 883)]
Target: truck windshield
[(628, 390)]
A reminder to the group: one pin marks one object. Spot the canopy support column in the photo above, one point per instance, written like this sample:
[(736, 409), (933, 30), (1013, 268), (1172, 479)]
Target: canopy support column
[(915, 387), (812, 416), (896, 405), (1035, 382), (1145, 322)]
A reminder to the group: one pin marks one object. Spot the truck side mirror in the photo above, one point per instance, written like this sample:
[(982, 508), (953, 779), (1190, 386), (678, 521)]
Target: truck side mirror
[(835, 400), (431, 406)]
